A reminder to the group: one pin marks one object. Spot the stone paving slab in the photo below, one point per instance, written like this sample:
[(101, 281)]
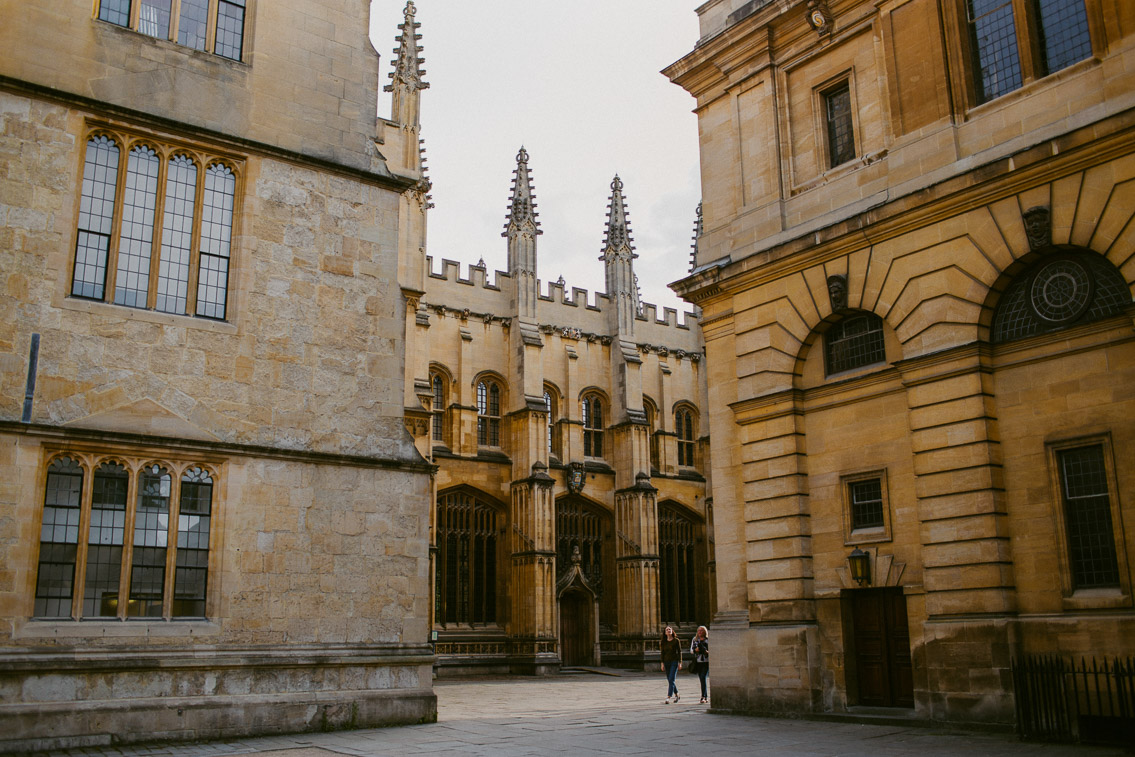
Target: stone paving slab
[(592, 714)]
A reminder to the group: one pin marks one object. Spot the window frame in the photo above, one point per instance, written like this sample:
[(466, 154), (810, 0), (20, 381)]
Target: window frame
[(1096, 597), (440, 390), (873, 534), (489, 424), (166, 152), (843, 320), (823, 95), (90, 461), (486, 519), (678, 564), (592, 435), (212, 18), (552, 408), (687, 447)]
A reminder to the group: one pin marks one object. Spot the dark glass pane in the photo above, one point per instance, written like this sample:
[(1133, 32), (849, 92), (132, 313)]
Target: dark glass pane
[(151, 537), (676, 570), (866, 503), (194, 21), (1064, 33), (216, 241), (841, 137), (854, 342), (104, 541), (115, 11), (59, 538), (96, 218), (1087, 514), (191, 572), (230, 28), (994, 40), (467, 555)]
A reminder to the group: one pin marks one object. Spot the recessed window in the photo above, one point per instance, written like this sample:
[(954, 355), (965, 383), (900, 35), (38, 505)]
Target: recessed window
[(578, 525), (1061, 28), (550, 407), (185, 21), (438, 412), (1087, 517), (592, 426), (168, 246), (854, 342), (466, 575), (684, 427), (115, 541), (840, 127), (488, 413), (866, 498), (866, 508), (677, 565)]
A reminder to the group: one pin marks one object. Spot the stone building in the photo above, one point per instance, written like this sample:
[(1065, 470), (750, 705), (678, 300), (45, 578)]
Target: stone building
[(916, 281), (213, 521), (571, 516)]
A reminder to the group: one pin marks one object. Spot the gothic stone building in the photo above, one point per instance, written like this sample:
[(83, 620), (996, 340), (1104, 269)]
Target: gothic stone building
[(916, 280), (212, 519), (571, 517)]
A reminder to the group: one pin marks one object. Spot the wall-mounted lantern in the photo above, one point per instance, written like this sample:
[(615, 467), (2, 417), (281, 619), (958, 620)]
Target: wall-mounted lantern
[(859, 562)]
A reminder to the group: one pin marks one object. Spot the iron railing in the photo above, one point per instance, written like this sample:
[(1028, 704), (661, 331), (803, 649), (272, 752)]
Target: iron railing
[(1090, 701)]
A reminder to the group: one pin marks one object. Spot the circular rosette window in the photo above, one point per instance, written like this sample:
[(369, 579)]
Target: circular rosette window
[(1061, 290)]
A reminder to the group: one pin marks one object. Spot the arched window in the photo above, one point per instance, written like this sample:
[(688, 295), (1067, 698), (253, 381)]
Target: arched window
[(105, 541), (592, 426), (550, 406), (579, 526), (466, 573), (854, 342), (676, 567), (59, 539), (438, 385), (1060, 290), (151, 540), (194, 519), (651, 428), (488, 413), (685, 427)]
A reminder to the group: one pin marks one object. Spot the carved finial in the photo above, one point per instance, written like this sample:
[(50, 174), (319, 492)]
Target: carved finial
[(522, 215), (697, 235), (618, 235), (576, 557), (408, 62), (560, 281), (480, 262)]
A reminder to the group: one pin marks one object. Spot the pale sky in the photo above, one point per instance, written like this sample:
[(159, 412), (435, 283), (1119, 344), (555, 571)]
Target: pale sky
[(578, 85)]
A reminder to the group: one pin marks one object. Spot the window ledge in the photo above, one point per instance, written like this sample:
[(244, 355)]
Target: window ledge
[(1097, 599), (112, 628), (867, 536), (150, 316)]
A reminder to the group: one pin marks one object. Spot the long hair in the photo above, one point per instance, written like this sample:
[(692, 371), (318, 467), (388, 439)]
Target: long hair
[(702, 630)]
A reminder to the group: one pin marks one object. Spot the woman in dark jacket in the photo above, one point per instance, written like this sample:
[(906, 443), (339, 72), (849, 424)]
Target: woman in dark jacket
[(671, 662), (699, 648)]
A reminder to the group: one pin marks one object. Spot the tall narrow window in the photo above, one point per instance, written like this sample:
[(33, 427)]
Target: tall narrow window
[(1087, 517), (154, 17), (177, 235), (193, 24), (135, 248), (438, 408), (194, 519), (841, 130), (994, 38), (465, 591), (684, 427), (579, 526), (652, 429), (488, 413), (96, 218), (677, 569), (59, 539), (548, 408), (854, 342), (105, 540), (230, 28), (1064, 33), (866, 501), (216, 239), (151, 539), (592, 426)]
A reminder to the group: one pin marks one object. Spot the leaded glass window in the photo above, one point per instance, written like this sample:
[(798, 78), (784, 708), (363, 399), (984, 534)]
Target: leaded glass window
[(841, 131), (151, 539), (677, 568), (466, 571), (866, 500), (592, 426), (186, 21), (579, 526), (136, 235), (438, 419), (59, 539), (684, 428), (1087, 517), (177, 235), (154, 17), (216, 240), (1063, 26), (105, 540), (854, 342), (994, 38), (230, 28), (194, 521), (96, 218), (488, 413)]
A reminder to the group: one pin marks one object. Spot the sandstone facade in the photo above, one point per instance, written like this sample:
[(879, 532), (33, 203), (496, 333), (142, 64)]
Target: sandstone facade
[(915, 276), (213, 521)]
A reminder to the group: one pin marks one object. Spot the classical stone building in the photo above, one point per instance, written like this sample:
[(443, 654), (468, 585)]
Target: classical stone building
[(571, 516), (212, 519), (916, 279)]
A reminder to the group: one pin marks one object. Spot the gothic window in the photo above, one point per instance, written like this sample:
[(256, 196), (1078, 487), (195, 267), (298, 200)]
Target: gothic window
[(128, 523), (438, 420), (840, 126), (186, 21), (676, 565), (1087, 517), (854, 342), (488, 413), (550, 404), (652, 429), (685, 426), (1058, 291), (1057, 29), (466, 572), (579, 526), (179, 265), (592, 426)]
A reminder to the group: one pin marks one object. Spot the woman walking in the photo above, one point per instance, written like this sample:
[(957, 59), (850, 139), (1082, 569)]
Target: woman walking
[(699, 648), (671, 662)]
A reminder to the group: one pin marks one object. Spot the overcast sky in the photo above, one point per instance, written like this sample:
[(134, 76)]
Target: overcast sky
[(578, 85)]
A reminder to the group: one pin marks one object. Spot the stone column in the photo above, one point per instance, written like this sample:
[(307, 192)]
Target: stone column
[(533, 625), (966, 553), (636, 558)]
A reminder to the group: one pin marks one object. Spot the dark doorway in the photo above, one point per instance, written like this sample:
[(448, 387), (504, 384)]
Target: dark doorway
[(576, 629), (880, 646)]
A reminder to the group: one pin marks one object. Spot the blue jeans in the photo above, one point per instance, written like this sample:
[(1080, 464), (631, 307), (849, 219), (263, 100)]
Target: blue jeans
[(703, 671), (671, 674)]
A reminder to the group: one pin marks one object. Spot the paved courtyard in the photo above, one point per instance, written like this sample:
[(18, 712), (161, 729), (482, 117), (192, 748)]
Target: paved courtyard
[(608, 715)]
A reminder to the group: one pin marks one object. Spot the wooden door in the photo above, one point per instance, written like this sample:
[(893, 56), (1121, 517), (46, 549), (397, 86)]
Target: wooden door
[(882, 648), (576, 629)]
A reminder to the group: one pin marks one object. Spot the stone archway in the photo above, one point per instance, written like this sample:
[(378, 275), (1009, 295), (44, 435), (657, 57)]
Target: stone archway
[(579, 616)]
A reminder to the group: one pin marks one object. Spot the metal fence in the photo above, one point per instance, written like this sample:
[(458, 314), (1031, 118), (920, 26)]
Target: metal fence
[(1090, 702)]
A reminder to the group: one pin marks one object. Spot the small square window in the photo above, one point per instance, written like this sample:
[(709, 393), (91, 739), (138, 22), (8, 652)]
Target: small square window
[(866, 508)]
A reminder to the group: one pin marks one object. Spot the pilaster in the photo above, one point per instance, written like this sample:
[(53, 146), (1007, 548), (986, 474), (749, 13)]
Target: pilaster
[(636, 558), (533, 625)]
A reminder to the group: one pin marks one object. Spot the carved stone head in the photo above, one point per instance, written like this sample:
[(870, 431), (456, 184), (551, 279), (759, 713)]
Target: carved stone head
[(837, 292), (1038, 227)]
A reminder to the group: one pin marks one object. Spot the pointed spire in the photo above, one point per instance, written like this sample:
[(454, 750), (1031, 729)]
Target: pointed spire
[(697, 236), (408, 70), (618, 233), (522, 203)]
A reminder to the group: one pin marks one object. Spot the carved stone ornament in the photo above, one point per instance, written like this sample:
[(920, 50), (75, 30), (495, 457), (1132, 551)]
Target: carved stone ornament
[(837, 292), (576, 478), (1038, 227), (820, 16)]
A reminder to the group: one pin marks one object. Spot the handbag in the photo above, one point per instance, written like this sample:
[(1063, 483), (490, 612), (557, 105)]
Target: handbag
[(694, 667)]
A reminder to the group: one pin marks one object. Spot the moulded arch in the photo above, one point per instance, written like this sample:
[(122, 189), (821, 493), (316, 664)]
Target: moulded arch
[(805, 376), (478, 494), (683, 509)]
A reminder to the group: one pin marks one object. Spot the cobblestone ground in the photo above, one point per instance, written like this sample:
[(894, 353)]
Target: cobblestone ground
[(608, 715)]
